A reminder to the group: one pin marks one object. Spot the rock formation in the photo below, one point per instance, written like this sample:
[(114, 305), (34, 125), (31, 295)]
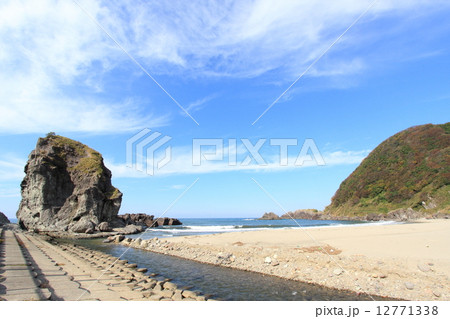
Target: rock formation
[(298, 214), (303, 214), (269, 216), (66, 188), (144, 220), (3, 219)]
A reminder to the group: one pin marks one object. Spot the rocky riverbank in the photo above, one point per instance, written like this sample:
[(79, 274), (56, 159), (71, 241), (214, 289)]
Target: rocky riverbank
[(404, 261)]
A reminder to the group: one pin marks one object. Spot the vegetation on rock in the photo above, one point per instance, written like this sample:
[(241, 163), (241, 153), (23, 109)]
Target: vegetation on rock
[(409, 170)]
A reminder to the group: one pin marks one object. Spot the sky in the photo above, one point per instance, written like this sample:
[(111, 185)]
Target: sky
[(329, 79)]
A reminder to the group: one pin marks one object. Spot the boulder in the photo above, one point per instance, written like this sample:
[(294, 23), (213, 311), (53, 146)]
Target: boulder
[(119, 238), (166, 221), (104, 227), (82, 226), (131, 229), (270, 216), (66, 187), (144, 220), (403, 214)]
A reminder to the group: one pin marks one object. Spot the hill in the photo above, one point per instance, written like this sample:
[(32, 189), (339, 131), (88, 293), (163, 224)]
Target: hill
[(409, 171)]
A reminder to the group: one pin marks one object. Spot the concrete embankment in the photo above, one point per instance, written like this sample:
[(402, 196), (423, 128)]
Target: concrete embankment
[(31, 268)]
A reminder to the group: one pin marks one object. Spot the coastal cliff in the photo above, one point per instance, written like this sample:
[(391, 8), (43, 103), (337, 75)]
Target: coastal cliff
[(405, 177)]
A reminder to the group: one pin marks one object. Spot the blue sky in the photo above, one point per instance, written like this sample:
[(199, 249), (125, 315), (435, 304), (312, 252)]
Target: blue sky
[(62, 70)]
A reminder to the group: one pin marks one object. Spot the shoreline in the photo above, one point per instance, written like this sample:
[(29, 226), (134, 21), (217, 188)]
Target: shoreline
[(401, 260)]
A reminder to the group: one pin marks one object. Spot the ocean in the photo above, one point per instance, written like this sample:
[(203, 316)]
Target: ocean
[(203, 226)]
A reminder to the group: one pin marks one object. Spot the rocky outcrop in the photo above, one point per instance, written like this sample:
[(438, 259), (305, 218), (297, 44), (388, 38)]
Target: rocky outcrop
[(303, 214), (66, 188), (298, 214), (145, 220), (269, 216), (3, 219)]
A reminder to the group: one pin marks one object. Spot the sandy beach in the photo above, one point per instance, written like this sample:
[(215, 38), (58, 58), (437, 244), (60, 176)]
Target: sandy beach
[(408, 261)]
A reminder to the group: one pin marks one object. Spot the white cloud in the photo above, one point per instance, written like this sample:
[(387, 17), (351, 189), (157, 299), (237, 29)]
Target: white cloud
[(51, 48), (199, 104), (12, 168), (181, 164), (9, 192)]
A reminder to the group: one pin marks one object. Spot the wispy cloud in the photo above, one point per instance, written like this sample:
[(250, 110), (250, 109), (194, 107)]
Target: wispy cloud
[(181, 164), (9, 192), (51, 49), (12, 168), (199, 104)]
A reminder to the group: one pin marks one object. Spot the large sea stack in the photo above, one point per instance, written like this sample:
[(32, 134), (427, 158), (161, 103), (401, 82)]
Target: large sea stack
[(405, 177), (66, 188)]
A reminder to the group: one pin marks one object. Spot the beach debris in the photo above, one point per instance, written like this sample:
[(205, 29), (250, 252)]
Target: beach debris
[(436, 293), (267, 260), (409, 285), (424, 267), (275, 263), (337, 271)]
